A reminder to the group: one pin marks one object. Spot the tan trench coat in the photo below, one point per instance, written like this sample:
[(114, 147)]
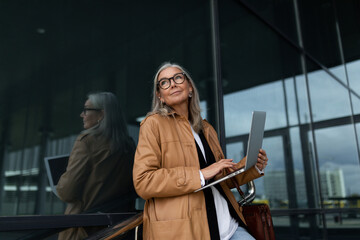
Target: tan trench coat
[(166, 173), (95, 177)]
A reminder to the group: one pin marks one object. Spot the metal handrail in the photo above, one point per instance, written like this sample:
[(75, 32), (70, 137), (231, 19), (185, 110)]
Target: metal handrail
[(250, 194), (21, 223)]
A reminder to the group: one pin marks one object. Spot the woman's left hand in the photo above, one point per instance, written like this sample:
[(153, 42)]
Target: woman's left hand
[(262, 160)]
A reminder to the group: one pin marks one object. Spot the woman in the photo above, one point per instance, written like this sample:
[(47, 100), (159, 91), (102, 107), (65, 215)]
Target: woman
[(98, 176), (170, 165)]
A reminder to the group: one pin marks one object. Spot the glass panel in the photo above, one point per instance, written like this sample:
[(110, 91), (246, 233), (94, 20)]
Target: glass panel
[(282, 227), (292, 101), (353, 69), (252, 66), (203, 106), (284, 98), (251, 53), (239, 105), (309, 227), (32, 234), (272, 186), (339, 72), (14, 235), (357, 126), (342, 225), (302, 97), (339, 165), (278, 13), (235, 151), (320, 38), (56, 58), (347, 14), (329, 99), (298, 162), (356, 104)]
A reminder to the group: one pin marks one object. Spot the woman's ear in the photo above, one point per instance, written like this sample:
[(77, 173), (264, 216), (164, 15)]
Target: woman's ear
[(159, 96)]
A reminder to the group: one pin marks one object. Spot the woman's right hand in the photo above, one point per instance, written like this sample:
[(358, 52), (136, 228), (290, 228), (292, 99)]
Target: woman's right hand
[(215, 168)]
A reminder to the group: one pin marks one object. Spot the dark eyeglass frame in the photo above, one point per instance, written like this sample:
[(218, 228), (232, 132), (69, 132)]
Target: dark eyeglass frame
[(172, 78), (90, 109)]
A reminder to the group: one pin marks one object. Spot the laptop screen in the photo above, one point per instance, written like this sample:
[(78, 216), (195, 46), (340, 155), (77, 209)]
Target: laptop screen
[(254, 144), (55, 167), (255, 138)]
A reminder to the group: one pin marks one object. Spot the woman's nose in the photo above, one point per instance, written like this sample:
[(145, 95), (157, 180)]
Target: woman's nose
[(172, 82)]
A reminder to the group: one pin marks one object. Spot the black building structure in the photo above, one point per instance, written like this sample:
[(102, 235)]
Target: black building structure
[(297, 60)]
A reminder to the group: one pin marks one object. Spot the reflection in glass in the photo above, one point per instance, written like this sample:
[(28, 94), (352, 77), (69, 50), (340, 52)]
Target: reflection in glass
[(339, 72), (297, 154), (278, 13), (284, 230), (235, 151), (302, 98), (353, 70), (273, 185), (329, 99), (292, 101), (203, 107), (239, 106), (344, 220), (356, 104), (319, 35), (357, 126), (298, 163), (73, 57), (292, 98), (338, 163)]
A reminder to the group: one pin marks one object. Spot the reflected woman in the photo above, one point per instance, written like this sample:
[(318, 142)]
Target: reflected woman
[(98, 176)]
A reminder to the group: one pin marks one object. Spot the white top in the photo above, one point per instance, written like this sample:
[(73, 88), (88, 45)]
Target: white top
[(227, 224)]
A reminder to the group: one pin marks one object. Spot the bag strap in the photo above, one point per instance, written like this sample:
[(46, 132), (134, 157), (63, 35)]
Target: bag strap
[(236, 185)]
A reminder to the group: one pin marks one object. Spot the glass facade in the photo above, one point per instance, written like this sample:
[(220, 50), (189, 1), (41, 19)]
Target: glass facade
[(297, 60)]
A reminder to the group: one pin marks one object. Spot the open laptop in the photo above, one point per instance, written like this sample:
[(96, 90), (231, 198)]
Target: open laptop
[(254, 144), (55, 167)]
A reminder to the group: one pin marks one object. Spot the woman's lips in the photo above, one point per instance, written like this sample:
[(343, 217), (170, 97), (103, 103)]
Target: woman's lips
[(176, 92)]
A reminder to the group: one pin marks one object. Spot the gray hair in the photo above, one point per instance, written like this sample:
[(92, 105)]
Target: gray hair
[(112, 126), (194, 102)]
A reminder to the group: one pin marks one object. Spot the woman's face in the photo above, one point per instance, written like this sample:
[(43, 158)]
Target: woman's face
[(176, 94), (90, 115)]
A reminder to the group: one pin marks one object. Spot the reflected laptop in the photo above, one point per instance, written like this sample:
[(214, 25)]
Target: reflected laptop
[(254, 144), (55, 167)]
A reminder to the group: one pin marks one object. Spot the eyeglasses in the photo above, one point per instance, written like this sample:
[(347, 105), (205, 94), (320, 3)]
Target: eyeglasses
[(165, 83), (90, 109)]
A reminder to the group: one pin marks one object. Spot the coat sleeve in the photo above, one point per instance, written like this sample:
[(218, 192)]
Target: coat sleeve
[(71, 183), (150, 178), (245, 177), (242, 178)]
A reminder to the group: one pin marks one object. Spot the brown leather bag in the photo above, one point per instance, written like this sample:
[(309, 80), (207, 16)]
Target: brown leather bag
[(259, 221), (257, 216)]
